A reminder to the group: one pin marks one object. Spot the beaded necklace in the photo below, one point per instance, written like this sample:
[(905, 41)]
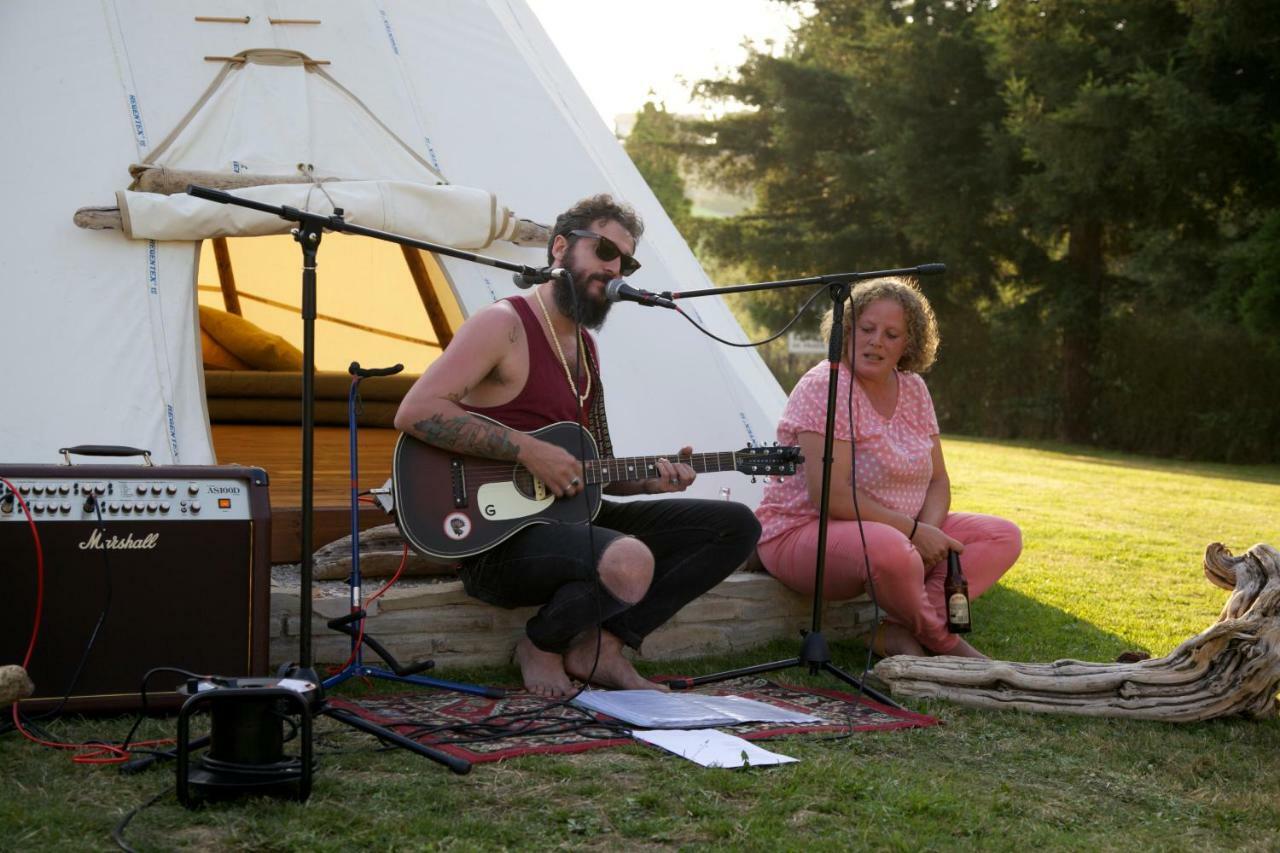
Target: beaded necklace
[(564, 362)]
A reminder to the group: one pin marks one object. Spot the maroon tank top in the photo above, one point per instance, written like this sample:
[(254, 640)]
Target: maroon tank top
[(545, 397)]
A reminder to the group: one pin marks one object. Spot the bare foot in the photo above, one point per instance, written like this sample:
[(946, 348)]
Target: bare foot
[(891, 639), (964, 650), (612, 670), (543, 672)]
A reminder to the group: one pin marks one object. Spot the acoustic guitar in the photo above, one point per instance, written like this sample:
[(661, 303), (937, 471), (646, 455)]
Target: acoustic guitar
[(451, 505)]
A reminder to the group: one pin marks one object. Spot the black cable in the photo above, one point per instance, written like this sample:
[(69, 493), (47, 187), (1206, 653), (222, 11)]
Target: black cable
[(117, 834), (800, 312), (583, 356), (862, 534), (93, 635)]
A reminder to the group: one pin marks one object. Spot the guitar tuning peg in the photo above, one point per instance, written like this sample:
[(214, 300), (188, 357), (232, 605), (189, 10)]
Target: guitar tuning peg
[(753, 479)]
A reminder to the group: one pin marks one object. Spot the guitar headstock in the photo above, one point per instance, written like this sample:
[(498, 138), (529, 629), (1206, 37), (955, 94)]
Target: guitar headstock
[(772, 461)]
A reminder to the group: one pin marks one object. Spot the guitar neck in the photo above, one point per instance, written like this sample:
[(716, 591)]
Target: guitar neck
[(627, 468)]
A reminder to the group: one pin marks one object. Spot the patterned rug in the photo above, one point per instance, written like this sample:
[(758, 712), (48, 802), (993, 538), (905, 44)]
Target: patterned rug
[(481, 729)]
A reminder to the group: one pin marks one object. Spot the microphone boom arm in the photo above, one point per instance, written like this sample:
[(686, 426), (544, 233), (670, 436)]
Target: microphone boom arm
[(834, 278)]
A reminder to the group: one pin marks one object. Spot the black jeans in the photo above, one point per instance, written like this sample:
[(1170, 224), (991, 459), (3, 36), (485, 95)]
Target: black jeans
[(695, 545)]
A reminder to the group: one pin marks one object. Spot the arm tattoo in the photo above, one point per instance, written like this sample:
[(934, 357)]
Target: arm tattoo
[(467, 435), (514, 333)]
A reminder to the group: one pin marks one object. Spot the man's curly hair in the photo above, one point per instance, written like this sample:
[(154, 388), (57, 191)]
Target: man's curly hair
[(582, 215)]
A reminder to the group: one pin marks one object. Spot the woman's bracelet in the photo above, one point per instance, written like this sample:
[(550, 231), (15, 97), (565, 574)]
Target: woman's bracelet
[(915, 522)]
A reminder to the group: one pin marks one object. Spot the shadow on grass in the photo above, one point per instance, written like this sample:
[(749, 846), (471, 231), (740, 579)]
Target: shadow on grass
[(1007, 625), (1264, 474)]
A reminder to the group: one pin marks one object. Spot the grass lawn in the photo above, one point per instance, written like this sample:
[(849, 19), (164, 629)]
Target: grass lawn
[(1111, 563)]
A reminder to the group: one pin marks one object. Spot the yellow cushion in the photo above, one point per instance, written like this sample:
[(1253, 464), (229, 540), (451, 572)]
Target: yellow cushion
[(255, 347), (217, 357)]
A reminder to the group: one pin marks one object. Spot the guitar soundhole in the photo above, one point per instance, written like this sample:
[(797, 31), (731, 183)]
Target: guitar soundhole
[(524, 482)]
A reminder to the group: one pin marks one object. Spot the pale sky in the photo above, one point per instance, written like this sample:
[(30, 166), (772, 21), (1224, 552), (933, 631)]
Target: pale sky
[(620, 50)]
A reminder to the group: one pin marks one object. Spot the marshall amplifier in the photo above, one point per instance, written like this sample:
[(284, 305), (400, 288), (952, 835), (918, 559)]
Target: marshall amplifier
[(177, 571)]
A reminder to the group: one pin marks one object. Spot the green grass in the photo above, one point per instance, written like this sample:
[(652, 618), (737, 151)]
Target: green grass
[(1111, 562)]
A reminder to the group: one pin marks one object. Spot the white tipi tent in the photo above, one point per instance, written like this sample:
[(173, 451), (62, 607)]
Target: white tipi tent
[(463, 108)]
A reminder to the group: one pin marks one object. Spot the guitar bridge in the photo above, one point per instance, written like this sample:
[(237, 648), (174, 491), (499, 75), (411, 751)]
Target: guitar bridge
[(458, 476)]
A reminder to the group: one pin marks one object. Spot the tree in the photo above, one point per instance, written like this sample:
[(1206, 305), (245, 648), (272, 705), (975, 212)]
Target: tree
[(1084, 168), (654, 146)]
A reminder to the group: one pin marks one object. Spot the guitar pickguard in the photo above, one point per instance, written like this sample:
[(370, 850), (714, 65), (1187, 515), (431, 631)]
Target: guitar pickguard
[(503, 501)]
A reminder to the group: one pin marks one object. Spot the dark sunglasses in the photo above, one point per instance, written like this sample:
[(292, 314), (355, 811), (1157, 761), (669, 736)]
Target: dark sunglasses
[(607, 250)]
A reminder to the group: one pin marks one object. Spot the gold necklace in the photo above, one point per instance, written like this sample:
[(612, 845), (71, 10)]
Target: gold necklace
[(564, 362)]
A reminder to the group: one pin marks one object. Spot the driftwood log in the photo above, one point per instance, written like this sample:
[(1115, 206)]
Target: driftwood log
[(381, 549), (14, 685), (1232, 668)]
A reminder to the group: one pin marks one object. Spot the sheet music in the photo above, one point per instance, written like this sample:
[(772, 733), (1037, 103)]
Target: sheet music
[(713, 748), (655, 709)]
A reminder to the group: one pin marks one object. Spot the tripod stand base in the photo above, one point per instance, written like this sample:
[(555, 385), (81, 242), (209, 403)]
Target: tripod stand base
[(458, 765), (814, 654), (361, 670)]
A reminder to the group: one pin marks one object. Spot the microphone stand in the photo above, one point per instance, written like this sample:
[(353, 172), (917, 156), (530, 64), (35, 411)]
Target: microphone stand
[(814, 652), (308, 233)]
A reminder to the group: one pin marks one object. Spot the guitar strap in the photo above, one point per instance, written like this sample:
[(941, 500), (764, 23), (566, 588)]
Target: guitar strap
[(597, 420)]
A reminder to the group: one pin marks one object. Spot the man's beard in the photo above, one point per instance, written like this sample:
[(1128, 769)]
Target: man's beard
[(577, 302)]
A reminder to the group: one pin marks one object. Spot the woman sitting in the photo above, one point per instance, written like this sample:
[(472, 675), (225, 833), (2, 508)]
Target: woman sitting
[(903, 493)]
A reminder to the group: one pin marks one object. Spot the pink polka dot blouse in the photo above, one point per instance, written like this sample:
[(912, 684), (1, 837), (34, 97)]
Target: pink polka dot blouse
[(893, 455)]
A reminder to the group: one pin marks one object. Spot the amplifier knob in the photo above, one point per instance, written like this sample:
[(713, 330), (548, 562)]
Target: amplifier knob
[(64, 489), (24, 488), (113, 507), (151, 507), (139, 506), (99, 489), (65, 507), (193, 489), (155, 488), (37, 489), (170, 489), (195, 506), (38, 506), (164, 507), (140, 489)]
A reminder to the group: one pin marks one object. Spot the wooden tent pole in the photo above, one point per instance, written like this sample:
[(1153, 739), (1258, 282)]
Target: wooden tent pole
[(435, 311), (226, 277)]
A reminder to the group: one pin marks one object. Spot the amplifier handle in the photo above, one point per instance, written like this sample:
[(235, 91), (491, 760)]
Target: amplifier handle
[(105, 450)]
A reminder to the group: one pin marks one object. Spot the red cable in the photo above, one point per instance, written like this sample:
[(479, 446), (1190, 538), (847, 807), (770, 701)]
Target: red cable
[(404, 561), (93, 753), (35, 537)]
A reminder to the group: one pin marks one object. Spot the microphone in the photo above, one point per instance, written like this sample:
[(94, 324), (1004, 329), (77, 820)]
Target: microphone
[(619, 291), (931, 269), (530, 277)]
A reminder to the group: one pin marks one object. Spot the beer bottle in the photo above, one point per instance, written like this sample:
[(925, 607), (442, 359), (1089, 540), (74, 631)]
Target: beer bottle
[(956, 589)]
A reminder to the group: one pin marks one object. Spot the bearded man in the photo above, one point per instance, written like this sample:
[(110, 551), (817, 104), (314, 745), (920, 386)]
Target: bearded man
[(527, 362)]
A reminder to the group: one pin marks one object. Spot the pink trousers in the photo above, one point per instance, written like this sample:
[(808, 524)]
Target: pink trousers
[(909, 592)]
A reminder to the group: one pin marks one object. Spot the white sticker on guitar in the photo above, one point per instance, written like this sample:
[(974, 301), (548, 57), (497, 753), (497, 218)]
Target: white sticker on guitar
[(457, 526)]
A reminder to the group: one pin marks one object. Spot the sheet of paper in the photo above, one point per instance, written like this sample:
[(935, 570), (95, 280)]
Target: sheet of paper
[(656, 709), (712, 748)]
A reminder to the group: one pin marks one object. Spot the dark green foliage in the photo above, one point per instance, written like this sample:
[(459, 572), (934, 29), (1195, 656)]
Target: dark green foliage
[(1101, 179), (653, 146)]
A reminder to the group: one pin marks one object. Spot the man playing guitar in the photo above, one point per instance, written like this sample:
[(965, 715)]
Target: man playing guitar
[(526, 362)]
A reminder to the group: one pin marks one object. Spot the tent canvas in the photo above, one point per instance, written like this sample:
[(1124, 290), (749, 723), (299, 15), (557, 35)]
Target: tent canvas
[(469, 94)]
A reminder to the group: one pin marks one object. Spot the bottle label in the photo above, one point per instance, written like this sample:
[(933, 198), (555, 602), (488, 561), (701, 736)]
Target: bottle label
[(958, 609)]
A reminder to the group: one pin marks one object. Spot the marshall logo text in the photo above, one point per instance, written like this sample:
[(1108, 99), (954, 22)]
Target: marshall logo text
[(95, 542)]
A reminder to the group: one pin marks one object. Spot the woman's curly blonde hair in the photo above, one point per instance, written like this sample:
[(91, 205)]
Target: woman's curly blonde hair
[(922, 325)]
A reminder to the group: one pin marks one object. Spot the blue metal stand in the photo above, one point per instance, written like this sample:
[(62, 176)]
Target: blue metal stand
[(352, 623)]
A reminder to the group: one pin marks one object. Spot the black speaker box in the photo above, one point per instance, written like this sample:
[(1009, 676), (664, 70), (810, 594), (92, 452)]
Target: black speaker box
[(175, 574)]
